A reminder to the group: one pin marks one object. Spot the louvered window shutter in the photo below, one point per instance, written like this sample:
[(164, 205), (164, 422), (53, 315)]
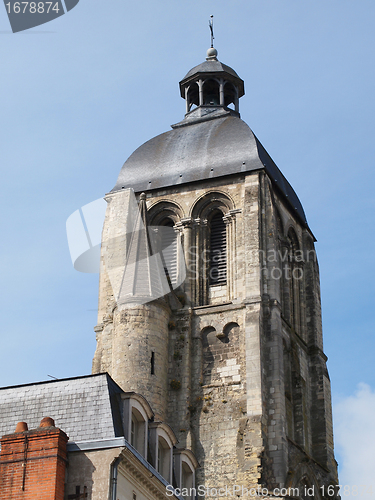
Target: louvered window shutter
[(218, 250), (170, 252)]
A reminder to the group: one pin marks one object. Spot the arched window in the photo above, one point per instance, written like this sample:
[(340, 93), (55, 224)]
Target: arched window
[(218, 250), (164, 216), (213, 239)]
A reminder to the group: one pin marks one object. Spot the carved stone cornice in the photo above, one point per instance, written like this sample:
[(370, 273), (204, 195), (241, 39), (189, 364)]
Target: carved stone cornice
[(142, 477)]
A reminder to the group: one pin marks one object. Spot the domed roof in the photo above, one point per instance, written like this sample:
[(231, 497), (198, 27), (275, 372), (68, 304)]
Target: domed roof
[(211, 66), (202, 149)]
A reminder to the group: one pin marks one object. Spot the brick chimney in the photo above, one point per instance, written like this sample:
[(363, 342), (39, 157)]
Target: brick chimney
[(32, 463)]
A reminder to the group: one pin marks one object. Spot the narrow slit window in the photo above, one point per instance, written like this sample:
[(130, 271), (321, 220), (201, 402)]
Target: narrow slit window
[(218, 250), (152, 363)]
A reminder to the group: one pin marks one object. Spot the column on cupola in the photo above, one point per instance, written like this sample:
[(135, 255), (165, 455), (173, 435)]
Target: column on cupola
[(200, 85), (221, 92), (237, 101), (187, 99)]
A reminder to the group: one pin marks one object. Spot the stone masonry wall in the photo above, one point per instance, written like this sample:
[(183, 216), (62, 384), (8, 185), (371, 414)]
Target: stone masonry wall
[(241, 379)]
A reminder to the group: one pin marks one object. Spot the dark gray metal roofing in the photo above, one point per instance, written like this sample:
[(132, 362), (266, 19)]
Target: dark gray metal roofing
[(85, 408), (199, 150), (211, 66)]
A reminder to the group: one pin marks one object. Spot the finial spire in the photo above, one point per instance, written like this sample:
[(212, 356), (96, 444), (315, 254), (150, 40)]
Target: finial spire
[(211, 25), (211, 52)]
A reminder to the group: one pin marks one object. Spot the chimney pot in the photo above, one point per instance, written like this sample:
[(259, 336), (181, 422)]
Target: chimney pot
[(21, 427), (47, 422)]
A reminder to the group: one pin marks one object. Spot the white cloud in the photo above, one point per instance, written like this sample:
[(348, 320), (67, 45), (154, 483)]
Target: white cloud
[(355, 440)]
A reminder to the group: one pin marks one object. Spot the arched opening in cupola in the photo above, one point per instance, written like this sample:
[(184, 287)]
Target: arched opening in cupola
[(211, 93), (230, 95), (193, 96)]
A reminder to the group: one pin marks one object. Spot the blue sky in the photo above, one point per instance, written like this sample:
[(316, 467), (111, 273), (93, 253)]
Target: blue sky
[(79, 94)]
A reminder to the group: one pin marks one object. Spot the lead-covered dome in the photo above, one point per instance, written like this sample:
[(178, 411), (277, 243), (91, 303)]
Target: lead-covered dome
[(214, 145)]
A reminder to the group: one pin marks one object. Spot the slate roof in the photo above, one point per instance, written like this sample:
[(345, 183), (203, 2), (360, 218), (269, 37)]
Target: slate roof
[(85, 408)]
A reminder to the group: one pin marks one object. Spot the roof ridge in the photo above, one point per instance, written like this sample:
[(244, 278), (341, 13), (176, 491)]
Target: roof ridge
[(54, 381)]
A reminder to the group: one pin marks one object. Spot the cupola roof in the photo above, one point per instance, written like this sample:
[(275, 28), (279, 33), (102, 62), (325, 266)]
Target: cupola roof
[(212, 67)]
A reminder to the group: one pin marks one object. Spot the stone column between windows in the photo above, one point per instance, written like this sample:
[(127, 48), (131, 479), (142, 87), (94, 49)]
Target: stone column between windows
[(201, 263), (230, 222)]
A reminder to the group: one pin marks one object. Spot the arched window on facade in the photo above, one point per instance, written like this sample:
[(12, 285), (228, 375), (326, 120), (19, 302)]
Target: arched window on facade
[(218, 250), (163, 217), (213, 238)]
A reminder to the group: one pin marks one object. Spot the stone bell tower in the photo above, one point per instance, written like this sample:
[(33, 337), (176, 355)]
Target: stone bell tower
[(231, 358)]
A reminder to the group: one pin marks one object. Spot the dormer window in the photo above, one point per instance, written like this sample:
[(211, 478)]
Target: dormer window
[(133, 433), (185, 464), (136, 414), (137, 431), (164, 458), (161, 442), (187, 481)]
